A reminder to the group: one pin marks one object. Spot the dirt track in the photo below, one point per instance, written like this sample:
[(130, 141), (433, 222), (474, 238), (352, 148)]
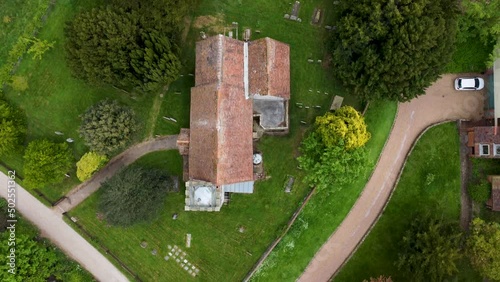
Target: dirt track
[(440, 103)]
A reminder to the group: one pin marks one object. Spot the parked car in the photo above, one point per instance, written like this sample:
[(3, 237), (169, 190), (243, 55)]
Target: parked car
[(469, 83)]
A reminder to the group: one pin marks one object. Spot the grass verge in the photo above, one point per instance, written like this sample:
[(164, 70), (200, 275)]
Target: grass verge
[(427, 184)]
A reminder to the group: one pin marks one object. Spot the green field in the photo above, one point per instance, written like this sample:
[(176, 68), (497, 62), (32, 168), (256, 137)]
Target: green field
[(426, 186)]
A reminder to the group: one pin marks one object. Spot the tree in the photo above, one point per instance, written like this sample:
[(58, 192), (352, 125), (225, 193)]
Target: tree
[(33, 261), (333, 154), (330, 167), (483, 244), (134, 195), (46, 163), (39, 47), (345, 124), (392, 49), (107, 126), (429, 250), (113, 46), (480, 192), (12, 128), (88, 164), (481, 21)]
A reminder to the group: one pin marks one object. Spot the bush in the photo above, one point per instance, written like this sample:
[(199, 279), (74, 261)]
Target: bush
[(107, 126), (12, 128), (134, 195), (480, 192), (346, 125), (88, 164), (46, 163)]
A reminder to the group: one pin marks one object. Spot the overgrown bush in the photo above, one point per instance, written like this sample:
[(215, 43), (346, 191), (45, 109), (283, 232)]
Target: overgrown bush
[(133, 195), (88, 164), (107, 126), (12, 128), (480, 192), (46, 163), (333, 154)]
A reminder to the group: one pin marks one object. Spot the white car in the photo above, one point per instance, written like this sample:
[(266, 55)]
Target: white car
[(469, 83)]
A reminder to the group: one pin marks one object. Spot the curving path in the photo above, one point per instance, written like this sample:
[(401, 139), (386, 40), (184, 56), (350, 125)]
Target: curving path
[(84, 190), (440, 103)]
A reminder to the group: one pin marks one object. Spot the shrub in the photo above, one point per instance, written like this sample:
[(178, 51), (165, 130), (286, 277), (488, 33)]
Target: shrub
[(107, 126), (134, 195), (88, 164), (12, 128), (346, 125), (480, 192), (46, 163)]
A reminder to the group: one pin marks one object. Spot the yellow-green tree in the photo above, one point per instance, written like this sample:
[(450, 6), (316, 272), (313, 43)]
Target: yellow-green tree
[(483, 246), (344, 125), (88, 164)]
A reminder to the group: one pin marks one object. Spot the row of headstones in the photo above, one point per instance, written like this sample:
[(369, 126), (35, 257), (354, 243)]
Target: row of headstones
[(292, 18), (178, 255)]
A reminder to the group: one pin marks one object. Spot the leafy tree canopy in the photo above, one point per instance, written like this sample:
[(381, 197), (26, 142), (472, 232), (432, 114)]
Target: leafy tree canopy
[(133, 195), (88, 164), (481, 21), (392, 49), (33, 260), (107, 126), (345, 124), (429, 250), (46, 163), (114, 46), (12, 128), (482, 248)]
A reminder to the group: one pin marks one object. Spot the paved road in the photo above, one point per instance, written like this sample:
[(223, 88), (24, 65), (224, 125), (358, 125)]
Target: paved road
[(61, 234), (440, 103), (84, 190)]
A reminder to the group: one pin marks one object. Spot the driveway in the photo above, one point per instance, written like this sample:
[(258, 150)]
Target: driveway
[(61, 234), (440, 103)]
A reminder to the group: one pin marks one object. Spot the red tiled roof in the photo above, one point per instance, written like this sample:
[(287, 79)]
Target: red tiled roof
[(219, 59), (269, 68), (486, 134), (220, 150), (220, 147)]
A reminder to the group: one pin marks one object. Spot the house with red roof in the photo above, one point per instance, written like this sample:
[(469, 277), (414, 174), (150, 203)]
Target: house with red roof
[(241, 89)]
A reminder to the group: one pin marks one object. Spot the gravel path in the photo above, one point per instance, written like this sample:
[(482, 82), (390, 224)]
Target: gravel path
[(84, 190), (61, 234), (440, 103)]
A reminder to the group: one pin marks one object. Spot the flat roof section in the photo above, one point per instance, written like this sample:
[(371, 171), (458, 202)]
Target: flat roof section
[(272, 113)]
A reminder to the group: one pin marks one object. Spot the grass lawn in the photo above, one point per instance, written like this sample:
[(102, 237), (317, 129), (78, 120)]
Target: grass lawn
[(426, 185), (218, 249), (16, 18), (54, 99)]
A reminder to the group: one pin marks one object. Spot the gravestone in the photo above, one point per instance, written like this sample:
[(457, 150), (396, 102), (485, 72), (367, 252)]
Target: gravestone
[(144, 244), (188, 240)]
